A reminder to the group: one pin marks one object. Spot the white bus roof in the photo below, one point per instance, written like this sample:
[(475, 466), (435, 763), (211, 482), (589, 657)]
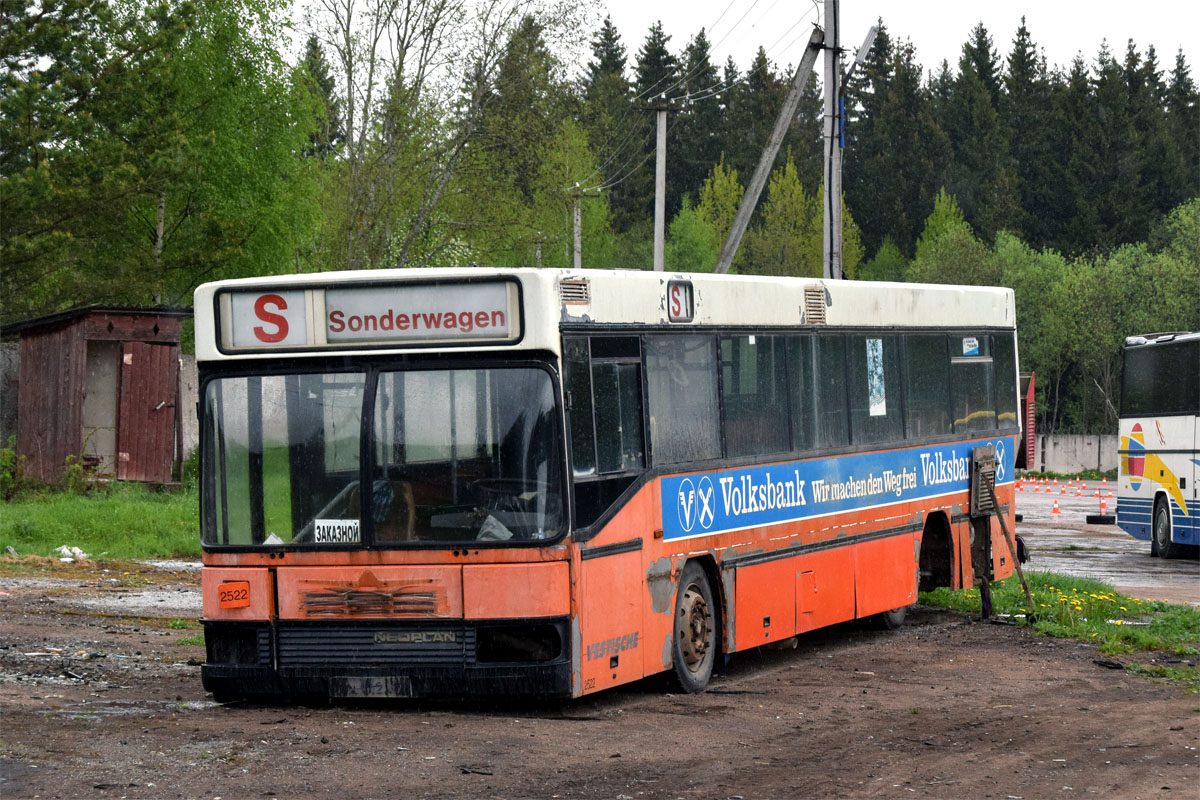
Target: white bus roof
[(543, 300), (1161, 338)]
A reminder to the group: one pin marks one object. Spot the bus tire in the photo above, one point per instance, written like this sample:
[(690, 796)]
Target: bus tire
[(890, 620), (1162, 531), (695, 635)]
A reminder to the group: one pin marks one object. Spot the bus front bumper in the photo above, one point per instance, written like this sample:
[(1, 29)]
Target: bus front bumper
[(387, 659)]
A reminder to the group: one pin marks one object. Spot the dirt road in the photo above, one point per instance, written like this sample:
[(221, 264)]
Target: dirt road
[(96, 705)]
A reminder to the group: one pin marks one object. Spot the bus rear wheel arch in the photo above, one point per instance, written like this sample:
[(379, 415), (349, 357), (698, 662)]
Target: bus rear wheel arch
[(937, 553), (1161, 543), (696, 631)]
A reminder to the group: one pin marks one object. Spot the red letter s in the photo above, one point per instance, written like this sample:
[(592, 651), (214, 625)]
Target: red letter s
[(278, 320)]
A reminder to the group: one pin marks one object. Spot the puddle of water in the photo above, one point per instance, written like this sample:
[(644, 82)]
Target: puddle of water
[(94, 710), (1067, 544)]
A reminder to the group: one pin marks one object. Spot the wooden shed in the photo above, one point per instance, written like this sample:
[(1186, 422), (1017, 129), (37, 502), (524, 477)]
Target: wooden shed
[(101, 383)]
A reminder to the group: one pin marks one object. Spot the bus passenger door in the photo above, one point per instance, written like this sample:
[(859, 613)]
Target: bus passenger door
[(610, 612)]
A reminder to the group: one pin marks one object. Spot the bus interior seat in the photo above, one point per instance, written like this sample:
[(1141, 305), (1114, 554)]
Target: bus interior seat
[(395, 515), (399, 521)]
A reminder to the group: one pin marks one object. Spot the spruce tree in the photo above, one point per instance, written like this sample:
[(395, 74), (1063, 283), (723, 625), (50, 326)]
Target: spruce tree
[(656, 80), (985, 61), (1183, 121), (697, 145), (1027, 112), (979, 176), (331, 132), (615, 131)]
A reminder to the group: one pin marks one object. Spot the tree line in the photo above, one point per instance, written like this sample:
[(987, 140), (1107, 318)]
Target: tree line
[(147, 147)]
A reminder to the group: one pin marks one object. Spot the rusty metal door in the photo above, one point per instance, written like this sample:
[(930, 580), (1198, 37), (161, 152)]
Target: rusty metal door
[(146, 413)]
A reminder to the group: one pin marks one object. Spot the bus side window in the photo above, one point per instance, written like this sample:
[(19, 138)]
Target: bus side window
[(604, 405), (800, 384), (578, 379), (754, 395), (927, 401), (1005, 365), (830, 393), (681, 381), (972, 400), (875, 389)]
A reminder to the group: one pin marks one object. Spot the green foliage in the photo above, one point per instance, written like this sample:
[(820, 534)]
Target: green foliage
[(789, 239), (75, 479), (130, 521), (12, 471), (889, 264), (148, 148), (691, 244), (720, 197)]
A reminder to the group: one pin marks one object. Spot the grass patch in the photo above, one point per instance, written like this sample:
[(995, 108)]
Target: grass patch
[(179, 624), (1078, 608), (124, 521), (197, 640), (1188, 677)]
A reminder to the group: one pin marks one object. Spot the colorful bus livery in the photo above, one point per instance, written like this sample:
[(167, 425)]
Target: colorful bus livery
[(1157, 497), (605, 476), (761, 496)]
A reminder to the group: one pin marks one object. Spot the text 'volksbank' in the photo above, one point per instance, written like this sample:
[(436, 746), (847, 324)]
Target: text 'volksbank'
[(700, 504)]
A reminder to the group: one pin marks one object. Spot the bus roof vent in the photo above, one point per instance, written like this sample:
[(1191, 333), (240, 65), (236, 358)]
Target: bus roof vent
[(814, 305), (575, 291)]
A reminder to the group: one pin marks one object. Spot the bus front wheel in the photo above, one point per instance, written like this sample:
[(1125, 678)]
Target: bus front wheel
[(695, 647), (1162, 531)]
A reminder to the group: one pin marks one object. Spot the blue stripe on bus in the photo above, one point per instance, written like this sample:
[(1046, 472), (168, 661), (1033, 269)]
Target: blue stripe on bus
[(704, 503), (1135, 517)]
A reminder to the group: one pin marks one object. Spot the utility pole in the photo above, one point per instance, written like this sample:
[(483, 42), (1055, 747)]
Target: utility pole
[(579, 196), (832, 216), (578, 262), (660, 179), (774, 141)]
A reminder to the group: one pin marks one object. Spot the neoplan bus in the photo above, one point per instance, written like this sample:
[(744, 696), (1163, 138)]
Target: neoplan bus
[(1160, 442), (469, 481)]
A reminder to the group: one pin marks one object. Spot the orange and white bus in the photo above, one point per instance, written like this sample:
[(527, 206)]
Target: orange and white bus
[(469, 481)]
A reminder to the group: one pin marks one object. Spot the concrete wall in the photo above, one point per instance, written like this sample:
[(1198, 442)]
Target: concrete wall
[(1072, 453)]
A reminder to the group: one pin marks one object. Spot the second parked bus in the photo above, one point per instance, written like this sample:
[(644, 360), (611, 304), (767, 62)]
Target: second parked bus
[(1157, 497)]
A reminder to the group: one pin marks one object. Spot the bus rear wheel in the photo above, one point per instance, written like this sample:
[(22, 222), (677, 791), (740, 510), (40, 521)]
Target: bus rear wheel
[(1162, 531), (695, 646)]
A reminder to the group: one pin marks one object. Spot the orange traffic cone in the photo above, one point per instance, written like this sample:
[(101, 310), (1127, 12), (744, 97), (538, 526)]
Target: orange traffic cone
[(1064, 490), (1103, 506), (1055, 509), (1078, 491), (1104, 482), (1110, 493)]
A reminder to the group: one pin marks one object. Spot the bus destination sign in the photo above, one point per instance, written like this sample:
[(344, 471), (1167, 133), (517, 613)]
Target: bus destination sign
[(388, 314)]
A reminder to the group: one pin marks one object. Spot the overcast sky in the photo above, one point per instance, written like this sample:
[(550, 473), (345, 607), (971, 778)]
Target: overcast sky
[(937, 28)]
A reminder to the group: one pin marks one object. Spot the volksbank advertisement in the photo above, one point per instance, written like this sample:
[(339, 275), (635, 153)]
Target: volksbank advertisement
[(726, 500)]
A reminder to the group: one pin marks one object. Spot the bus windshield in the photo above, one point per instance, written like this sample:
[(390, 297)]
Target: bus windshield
[(449, 456)]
